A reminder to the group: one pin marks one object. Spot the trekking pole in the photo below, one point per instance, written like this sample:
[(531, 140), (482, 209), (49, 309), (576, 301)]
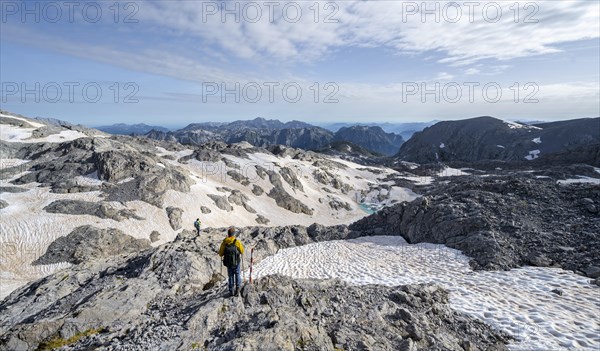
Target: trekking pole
[(251, 261), (243, 275)]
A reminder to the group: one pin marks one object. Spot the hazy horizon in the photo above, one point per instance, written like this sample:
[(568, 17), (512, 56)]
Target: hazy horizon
[(323, 124)]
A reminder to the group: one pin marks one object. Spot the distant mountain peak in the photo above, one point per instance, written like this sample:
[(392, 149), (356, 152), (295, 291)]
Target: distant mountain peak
[(130, 129)]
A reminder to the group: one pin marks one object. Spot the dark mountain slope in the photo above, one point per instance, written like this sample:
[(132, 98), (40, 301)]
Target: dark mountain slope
[(488, 138)]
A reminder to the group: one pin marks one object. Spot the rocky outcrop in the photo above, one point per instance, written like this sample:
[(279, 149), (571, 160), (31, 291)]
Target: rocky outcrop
[(87, 243), (288, 202), (238, 177), (3, 204), (205, 210), (327, 176), (291, 178), (150, 188), (98, 209), (283, 199), (154, 236), (240, 199), (221, 202), (501, 222), (257, 190), (336, 204), (260, 219), (12, 189), (172, 297), (174, 214), (128, 168)]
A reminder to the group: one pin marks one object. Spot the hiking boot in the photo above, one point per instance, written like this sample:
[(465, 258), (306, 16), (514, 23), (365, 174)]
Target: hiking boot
[(237, 292)]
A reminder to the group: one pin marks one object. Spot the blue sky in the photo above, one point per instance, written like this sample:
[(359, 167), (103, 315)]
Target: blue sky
[(176, 62)]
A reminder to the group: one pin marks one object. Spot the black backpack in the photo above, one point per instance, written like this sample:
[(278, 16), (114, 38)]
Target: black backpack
[(231, 258)]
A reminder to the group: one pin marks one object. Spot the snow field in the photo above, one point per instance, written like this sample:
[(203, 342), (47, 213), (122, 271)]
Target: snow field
[(10, 133), (519, 301)]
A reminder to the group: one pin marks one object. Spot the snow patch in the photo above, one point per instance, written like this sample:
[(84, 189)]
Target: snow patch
[(500, 146), (515, 125), (450, 172), (88, 179), (518, 301), (533, 154), (537, 140), (32, 123), (580, 180), (442, 145), (11, 134)]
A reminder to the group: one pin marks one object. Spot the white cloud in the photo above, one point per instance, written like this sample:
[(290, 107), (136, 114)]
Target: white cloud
[(389, 24), (444, 76), (472, 71)]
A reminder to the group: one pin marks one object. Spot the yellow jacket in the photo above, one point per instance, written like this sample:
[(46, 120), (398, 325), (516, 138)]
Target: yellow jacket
[(228, 241)]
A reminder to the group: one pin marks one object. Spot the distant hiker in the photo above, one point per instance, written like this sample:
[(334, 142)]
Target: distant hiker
[(197, 224), (231, 250)]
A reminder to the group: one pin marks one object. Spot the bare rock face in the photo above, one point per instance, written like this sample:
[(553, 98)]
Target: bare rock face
[(502, 222), (221, 202), (283, 199), (3, 204), (291, 178), (205, 210), (288, 202), (87, 243), (174, 214), (98, 209), (128, 168)]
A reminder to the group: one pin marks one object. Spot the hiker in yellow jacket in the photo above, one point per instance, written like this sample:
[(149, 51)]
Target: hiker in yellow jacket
[(232, 250)]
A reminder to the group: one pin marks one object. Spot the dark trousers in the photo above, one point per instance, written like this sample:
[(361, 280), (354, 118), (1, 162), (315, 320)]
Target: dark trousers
[(235, 278)]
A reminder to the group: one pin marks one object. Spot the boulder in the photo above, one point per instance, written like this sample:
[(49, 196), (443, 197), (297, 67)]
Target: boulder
[(87, 243), (593, 272), (174, 214), (260, 219), (257, 190), (154, 236)]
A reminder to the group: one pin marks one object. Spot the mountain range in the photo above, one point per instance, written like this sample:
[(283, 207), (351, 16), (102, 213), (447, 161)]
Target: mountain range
[(130, 129), (261, 132), (405, 130)]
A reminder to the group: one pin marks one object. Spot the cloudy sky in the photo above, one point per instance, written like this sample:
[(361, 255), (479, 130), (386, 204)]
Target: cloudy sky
[(176, 62)]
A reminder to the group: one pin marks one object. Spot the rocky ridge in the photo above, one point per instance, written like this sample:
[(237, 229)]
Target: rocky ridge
[(501, 222), (169, 298)]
